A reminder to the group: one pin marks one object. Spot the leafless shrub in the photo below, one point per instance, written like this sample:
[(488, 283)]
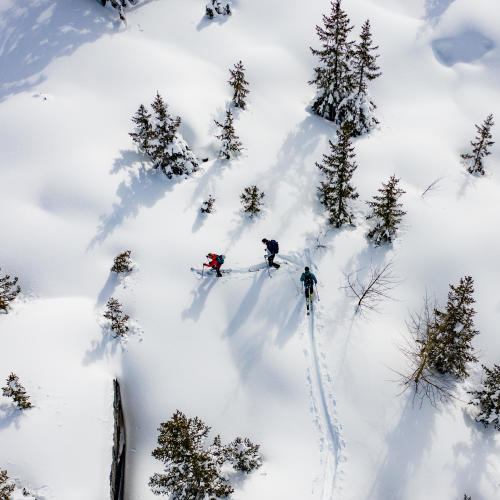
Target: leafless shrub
[(371, 291), (433, 185)]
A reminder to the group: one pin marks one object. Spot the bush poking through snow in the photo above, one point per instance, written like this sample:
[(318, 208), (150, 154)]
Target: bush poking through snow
[(6, 488), (487, 398), (338, 169), (122, 263), (218, 8), (119, 5), (208, 206), (239, 84), (9, 289), (480, 147), (386, 212), (251, 199), (230, 143), (193, 470), (159, 138), (118, 320), (17, 392)]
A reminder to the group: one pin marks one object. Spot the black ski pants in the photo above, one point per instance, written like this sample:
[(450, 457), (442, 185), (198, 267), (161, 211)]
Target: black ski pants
[(270, 260)]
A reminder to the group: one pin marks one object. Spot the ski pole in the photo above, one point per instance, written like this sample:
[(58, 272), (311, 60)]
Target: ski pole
[(317, 294), (202, 269)]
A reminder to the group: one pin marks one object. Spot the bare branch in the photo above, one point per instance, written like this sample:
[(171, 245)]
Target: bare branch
[(432, 186)]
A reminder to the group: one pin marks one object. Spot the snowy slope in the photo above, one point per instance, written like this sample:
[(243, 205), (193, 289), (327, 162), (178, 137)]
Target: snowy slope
[(319, 395)]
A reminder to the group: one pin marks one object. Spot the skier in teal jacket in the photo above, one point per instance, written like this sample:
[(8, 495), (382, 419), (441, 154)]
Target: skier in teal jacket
[(309, 281)]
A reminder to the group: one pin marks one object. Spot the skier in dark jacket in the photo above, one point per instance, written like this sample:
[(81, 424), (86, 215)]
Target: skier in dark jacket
[(309, 281), (215, 262), (272, 250)]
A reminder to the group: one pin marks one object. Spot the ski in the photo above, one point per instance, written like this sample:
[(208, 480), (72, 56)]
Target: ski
[(210, 272)]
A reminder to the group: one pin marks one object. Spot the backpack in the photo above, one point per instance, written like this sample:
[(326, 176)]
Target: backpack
[(220, 259), (273, 246), (308, 281)]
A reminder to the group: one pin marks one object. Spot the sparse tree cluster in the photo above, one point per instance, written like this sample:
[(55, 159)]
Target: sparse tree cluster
[(481, 147), (122, 263), (119, 321), (157, 136), (15, 390), (251, 199), (487, 398), (194, 468), (9, 290), (207, 206), (6, 486), (344, 71), (216, 8)]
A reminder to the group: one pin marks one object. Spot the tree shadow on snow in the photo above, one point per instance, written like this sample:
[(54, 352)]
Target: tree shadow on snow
[(36, 32), (108, 288), (106, 346), (434, 9), (143, 188), (10, 415), (200, 296), (406, 446)]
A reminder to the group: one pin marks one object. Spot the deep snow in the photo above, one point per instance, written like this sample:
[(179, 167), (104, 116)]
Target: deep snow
[(318, 395)]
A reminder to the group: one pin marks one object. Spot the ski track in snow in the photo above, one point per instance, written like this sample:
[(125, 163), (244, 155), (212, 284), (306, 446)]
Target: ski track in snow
[(323, 407)]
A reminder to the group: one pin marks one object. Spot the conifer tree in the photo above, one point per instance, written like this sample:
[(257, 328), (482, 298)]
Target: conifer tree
[(480, 147), (169, 151), (386, 212), (332, 77), (487, 398), (338, 168), (218, 8), (239, 84), (454, 331), (251, 199), (17, 392), (208, 205), (230, 143), (243, 455), (122, 263), (9, 290), (118, 320), (358, 107), (143, 134), (6, 487)]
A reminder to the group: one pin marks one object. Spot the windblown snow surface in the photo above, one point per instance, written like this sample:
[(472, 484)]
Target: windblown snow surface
[(320, 394)]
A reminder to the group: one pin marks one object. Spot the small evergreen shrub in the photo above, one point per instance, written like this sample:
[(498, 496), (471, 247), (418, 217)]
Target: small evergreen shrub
[(119, 5), (480, 147), (6, 487), (118, 320), (251, 199), (230, 143), (216, 8), (239, 84), (9, 290), (193, 469), (17, 392), (487, 398), (122, 263), (208, 206)]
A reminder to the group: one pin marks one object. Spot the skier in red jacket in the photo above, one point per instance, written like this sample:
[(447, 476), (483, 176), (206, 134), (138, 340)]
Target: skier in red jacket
[(215, 262)]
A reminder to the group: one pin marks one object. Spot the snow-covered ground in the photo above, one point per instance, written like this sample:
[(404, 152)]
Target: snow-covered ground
[(318, 394)]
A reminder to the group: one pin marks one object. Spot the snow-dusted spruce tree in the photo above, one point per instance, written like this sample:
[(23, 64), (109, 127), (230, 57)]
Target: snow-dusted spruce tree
[(118, 320), (143, 133), (239, 84), (333, 75), (487, 398), (358, 109), (386, 212), (454, 331), (338, 167), (122, 263), (480, 147), (251, 199), (119, 5), (230, 144), (216, 8), (207, 206), (9, 290), (17, 392), (6, 487), (193, 469)]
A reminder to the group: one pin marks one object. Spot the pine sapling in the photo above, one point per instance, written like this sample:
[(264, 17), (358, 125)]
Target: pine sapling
[(17, 392), (9, 290), (239, 84), (208, 206), (487, 398), (251, 199), (386, 212), (122, 263), (230, 144), (118, 320), (243, 455), (143, 134), (6, 487), (338, 168), (454, 331), (480, 147)]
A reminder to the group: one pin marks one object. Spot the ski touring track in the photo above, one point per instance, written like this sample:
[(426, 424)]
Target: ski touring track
[(323, 404)]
